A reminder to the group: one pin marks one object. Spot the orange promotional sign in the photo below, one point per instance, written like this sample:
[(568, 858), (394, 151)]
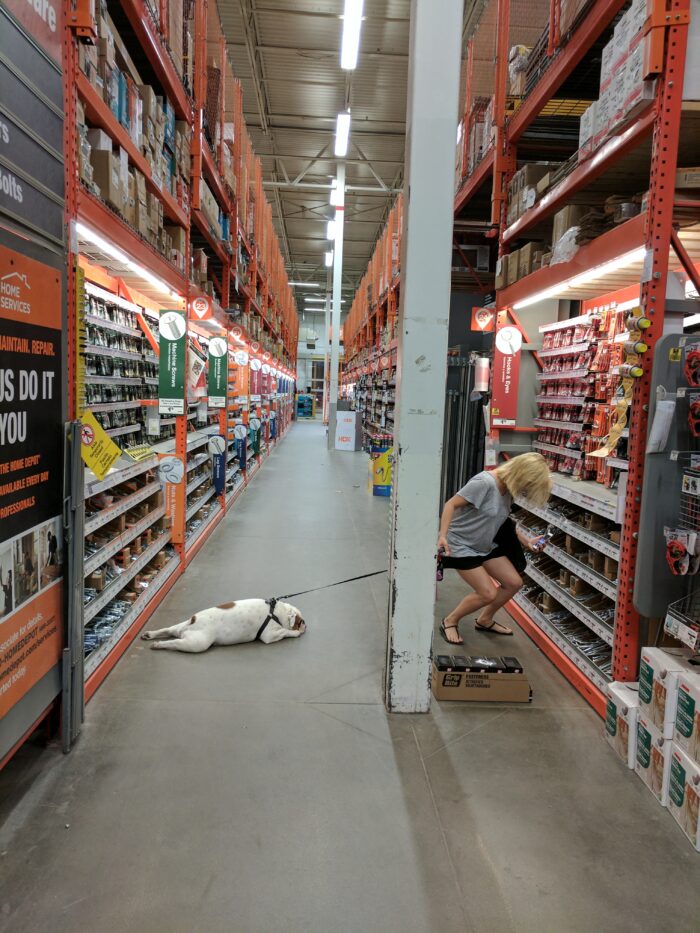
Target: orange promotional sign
[(31, 468), (484, 319), (201, 308)]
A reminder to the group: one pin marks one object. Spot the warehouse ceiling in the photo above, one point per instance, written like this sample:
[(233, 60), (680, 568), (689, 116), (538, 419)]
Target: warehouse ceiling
[(287, 56)]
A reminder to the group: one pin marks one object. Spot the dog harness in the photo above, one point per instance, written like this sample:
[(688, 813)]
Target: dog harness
[(271, 617)]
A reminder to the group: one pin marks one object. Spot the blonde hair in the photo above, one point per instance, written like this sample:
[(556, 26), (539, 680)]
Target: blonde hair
[(527, 475)]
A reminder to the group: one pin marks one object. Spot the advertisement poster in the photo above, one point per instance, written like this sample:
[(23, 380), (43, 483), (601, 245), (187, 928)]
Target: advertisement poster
[(171, 372), (484, 320), (43, 20), (218, 374), (506, 372), (31, 467)]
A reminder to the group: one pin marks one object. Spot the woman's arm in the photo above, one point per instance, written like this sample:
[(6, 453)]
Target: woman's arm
[(527, 542), (456, 502)]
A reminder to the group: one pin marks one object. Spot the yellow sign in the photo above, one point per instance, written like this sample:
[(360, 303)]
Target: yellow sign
[(675, 354), (98, 450), (382, 468)]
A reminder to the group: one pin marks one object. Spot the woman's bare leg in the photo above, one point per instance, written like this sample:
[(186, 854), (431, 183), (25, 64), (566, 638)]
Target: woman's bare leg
[(484, 593), (510, 581)]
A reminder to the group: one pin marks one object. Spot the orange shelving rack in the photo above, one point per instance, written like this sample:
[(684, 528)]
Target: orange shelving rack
[(527, 113), (167, 214)]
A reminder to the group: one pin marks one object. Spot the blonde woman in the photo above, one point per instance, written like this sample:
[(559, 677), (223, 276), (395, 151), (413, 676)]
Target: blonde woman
[(483, 544)]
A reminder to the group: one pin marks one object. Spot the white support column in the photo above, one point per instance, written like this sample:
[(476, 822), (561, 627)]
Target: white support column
[(431, 132), (337, 285)]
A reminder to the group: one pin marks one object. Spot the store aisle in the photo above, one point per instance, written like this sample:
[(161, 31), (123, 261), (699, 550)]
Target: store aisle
[(264, 788)]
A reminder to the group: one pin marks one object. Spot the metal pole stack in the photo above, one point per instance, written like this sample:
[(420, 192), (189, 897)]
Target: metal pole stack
[(463, 437)]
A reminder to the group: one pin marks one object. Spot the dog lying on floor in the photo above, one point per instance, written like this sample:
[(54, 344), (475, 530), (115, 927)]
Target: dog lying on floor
[(231, 624)]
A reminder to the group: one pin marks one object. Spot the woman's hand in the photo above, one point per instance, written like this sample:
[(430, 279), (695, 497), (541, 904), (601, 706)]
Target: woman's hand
[(442, 544)]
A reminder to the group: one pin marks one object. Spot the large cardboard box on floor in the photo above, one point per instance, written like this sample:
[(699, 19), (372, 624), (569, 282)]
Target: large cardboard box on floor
[(659, 671), (486, 687), (621, 715), (684, 794), (653, 758), (686, 733)]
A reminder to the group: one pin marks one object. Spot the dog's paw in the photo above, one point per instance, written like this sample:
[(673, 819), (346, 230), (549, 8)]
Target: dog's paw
[(156, 645), (146, 636), (302, 628)]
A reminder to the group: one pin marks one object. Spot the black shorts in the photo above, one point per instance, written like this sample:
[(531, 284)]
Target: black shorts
[(507, 545)]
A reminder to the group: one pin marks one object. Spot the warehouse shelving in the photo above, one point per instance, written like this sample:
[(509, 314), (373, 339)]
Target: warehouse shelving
[(623, 265), (137, 274)]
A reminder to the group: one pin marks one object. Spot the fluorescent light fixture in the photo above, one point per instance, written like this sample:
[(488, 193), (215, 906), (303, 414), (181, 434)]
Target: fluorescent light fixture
[(607, 268), (342, 134), (342, 300), (552, 292), (352, 23), (305, 284), (584, 278), (329, 259), (86, 233), (330, 230), (335, 197)]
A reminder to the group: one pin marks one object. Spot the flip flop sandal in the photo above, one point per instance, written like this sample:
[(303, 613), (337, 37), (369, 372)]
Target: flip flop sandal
[(490, 628), (443, 632)]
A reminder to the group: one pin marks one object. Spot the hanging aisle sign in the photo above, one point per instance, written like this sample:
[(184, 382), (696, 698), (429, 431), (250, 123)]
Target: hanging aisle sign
[(506, 373), (172, 327), (218, 372)]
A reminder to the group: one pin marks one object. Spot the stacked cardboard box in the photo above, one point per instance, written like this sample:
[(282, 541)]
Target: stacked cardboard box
[(626, 80), (522, 188)]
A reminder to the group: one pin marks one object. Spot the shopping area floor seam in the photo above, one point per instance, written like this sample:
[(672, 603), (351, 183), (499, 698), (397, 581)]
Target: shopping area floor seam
[(455, 875)]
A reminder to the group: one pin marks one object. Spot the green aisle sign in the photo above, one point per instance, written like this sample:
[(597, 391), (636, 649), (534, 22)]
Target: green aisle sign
[(218, 372), (172, 326)]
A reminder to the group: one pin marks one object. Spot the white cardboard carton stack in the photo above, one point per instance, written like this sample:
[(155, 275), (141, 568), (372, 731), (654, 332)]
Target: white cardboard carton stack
[(654, 727), (621, 715)]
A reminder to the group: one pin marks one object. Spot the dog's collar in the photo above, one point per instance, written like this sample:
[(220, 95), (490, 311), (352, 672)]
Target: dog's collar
[(271, 617)]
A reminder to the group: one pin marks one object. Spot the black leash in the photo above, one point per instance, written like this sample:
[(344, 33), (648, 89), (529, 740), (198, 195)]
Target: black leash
[(328, 586)]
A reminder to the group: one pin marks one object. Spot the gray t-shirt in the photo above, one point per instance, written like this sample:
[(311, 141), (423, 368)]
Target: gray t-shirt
[(473, 528)]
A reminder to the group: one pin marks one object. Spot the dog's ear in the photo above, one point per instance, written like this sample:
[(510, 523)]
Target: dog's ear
[(297, 621)]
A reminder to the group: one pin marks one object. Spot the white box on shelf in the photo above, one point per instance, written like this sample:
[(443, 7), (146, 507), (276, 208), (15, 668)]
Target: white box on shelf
[(659, 671), (587, 130), (653, 758), (686, 733), (621, 715), (684, 794)]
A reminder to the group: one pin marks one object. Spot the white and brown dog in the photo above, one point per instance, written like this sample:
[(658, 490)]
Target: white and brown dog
[(231, 624)]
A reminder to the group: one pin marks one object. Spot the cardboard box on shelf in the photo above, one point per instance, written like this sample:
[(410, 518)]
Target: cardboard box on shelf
[(513, 265), (106, 173), (466, 686), (526, 257), (639, 90), (587, 131), (652, 758), (99, 140), (688, 177), (684, 794), (178, 238), (659, 673), (566, 218), (149, 102), (621, 713), (686, 731), (501, 278), (610, 568)]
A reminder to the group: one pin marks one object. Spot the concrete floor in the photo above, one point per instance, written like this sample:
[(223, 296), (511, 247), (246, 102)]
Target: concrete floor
[(264, 788)]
